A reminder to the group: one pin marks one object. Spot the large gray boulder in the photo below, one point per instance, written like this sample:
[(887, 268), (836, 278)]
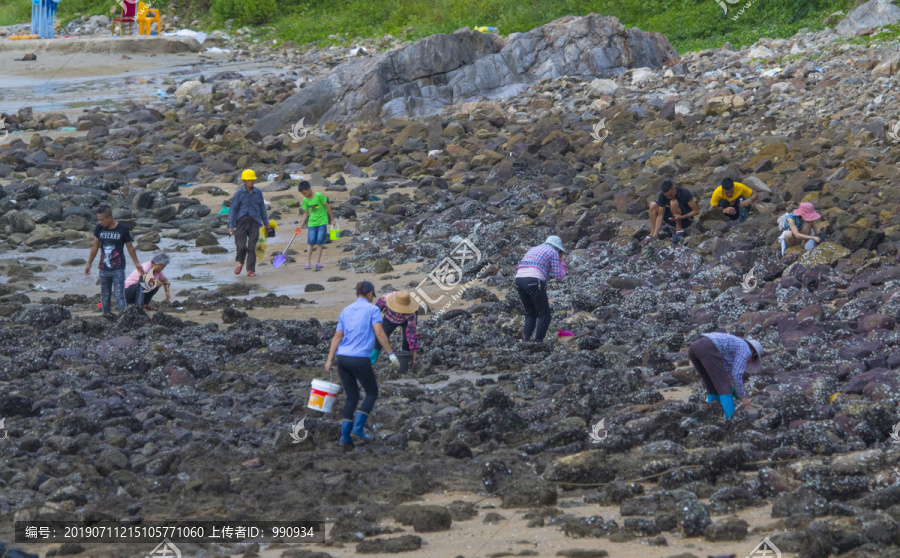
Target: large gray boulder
[(421, 78), (875, 13), (14, 221)]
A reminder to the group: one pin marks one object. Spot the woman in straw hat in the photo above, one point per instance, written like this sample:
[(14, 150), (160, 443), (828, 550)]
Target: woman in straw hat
[(399, 310), (799, 225)]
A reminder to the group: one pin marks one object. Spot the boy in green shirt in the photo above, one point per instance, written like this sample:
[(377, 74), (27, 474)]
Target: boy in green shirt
[(315, 206)]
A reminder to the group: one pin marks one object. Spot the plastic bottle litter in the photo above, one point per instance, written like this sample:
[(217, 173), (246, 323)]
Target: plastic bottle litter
[(486, 29)]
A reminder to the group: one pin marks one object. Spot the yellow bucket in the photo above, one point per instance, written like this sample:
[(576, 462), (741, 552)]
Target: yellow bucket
[(334, 233)]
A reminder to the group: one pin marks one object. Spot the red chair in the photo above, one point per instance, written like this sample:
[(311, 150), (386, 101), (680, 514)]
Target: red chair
[(129, 15)]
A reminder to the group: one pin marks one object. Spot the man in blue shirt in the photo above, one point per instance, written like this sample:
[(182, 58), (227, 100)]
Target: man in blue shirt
[(246, 216), (358, 327)]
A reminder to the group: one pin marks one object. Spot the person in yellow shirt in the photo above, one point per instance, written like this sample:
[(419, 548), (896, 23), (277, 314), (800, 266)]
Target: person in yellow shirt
[(734, 198)]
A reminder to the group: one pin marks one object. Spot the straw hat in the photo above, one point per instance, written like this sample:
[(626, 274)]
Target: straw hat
[(755, 365), (401, 302)]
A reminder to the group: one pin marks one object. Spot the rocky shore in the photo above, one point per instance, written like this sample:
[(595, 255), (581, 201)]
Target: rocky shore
[(155, 416)]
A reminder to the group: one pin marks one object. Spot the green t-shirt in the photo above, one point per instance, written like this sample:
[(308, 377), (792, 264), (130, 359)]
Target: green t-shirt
[(318, 215)]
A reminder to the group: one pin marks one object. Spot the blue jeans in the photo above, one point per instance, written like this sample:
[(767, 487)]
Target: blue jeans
[(317, 235), (112, 283)]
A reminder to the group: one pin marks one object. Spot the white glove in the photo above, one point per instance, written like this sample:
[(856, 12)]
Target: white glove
[(395, 362)]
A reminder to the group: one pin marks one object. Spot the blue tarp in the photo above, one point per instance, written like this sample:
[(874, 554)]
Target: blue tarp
[(42, 14)]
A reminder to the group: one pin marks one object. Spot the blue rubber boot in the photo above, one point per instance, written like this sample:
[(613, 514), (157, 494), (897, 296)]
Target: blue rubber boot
[(710, 397), (358, 426), (346, 440), (727, 405)]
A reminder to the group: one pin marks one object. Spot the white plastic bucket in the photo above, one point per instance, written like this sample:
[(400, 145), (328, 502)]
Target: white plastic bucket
[(322, 395)]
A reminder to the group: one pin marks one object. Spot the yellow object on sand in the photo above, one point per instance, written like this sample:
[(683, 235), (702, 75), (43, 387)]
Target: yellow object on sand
[(145, 17), (263, 243), (335, 231), (20, 37)]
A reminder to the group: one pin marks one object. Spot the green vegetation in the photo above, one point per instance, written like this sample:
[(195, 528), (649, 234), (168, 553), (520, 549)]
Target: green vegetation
[(16, 12), (689, 24), (251, 12), (887, 34)]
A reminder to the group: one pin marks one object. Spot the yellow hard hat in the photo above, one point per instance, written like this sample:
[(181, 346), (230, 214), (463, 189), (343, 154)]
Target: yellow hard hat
[(248, 175)]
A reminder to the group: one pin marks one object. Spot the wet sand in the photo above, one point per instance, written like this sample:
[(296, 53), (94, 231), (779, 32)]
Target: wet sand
[(61, 81), (190, 269), (511, 536), (473, 539)]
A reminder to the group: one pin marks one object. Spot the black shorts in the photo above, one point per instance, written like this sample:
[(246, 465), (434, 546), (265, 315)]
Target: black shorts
[(669, 219)]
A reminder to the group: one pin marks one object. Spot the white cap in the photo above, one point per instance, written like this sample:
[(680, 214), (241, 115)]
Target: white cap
[(556, 242)]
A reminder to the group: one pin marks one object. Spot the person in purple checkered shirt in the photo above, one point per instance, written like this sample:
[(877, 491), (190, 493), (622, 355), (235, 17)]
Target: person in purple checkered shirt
[(722, 360), (532, 275)]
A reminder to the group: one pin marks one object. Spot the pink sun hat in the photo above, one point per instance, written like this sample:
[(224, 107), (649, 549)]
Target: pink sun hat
[(807, 212)]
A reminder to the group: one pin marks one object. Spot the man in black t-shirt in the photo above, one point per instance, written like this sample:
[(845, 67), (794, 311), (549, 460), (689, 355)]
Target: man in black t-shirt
[(674, 207), (111, 238)]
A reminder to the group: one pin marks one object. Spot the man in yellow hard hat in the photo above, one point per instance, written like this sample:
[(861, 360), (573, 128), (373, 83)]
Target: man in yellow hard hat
[(245, 217)]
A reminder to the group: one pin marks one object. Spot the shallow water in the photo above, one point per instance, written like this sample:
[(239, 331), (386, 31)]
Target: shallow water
[(188, 269), (138, 84)]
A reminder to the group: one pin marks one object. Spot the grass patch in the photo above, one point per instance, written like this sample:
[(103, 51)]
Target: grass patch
[(15, 12), (888, 33), (689, 24)]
